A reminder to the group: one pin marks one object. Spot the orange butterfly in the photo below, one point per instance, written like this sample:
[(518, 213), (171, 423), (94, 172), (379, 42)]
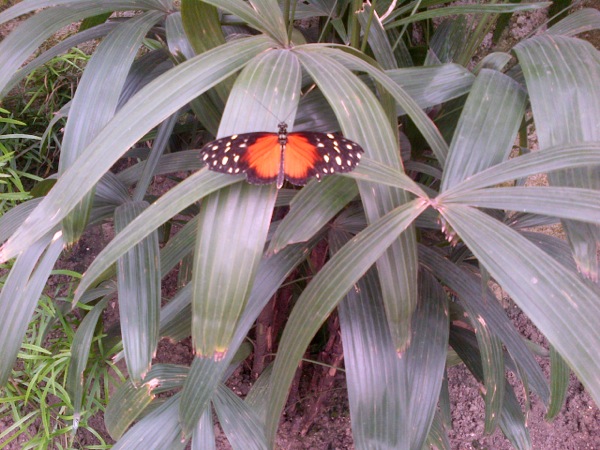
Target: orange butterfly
[(268, 157)]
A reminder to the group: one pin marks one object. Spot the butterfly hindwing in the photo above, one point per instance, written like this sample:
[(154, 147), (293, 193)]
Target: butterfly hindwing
[(305, 155)]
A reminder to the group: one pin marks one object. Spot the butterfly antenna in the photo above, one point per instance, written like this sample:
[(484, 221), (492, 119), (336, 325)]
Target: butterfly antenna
[(279, 121)]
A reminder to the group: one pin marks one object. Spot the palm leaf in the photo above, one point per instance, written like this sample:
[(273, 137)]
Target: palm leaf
[(558, 302), (554, 64), (150, 106)]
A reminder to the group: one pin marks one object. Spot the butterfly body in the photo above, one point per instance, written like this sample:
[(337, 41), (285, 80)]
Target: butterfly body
[(274, 157)]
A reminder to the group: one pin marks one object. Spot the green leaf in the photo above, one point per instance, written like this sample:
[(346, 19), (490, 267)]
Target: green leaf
[(240, 423), (364, 122), (201, 25), (178, 247), (355, 61), (91, 22), (22, 42), (430, 86), (449, 41), (556, 247), (425, 359), (378, 40), (24, 283), (14, 217), (130, 401), (204, 434), (438, 437), (159, 429), (95, 103), (138, 281), (168, 163), (125, 406), (164, 133), (111, 190), (150, 106), (483, 306), (487, 127), (580, 21), (271, 274), (559, 383), (116, 5), (570, 69), (80, 351), (311, 209), (495, 61), (273, 19), (469, 9), (564, 202), (63, 46), (203, 31), (176, 316), (262, 16), (325, 291), (199, 388), (375, 172), (376, 392), (234, 222), (551, 159), (512, 421), (184, 194), (557, 301), (232, 230)]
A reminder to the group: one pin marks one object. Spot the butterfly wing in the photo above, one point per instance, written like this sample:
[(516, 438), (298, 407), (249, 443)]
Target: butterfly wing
[(310, 155), (257, 155)]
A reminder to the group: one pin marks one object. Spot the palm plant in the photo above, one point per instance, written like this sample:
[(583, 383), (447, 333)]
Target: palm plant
[(401, 247)]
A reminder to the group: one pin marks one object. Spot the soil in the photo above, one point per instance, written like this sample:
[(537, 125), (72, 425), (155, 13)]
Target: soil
[(576, 427)]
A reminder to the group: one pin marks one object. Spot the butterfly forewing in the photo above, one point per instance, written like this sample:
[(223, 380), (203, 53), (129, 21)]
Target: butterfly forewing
[(263, 159), (305, 155), (230, 155)]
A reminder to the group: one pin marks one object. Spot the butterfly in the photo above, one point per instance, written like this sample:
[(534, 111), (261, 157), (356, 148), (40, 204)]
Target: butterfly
[(274, 157)]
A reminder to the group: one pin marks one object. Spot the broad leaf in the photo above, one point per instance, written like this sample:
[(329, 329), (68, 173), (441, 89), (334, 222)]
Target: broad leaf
[(366, 123), (556, 300), (138, 279), (150, 106), (324, 292), (487, 127), (20, 295), (568, 68)]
